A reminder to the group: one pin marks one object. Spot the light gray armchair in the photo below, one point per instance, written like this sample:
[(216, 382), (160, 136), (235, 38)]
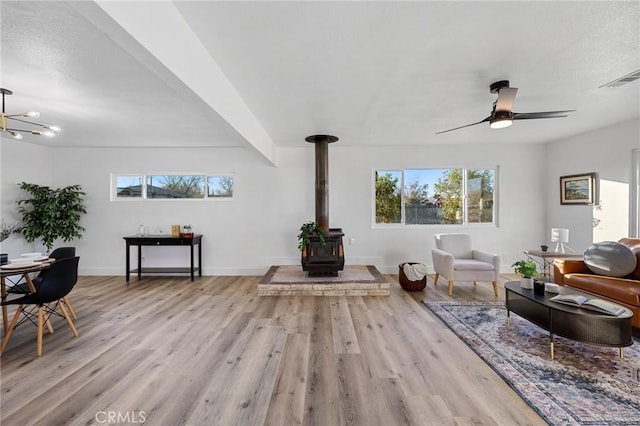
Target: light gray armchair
[(456, 260)]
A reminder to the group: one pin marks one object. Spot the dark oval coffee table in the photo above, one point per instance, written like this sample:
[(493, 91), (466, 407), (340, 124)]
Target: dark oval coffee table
[(579, 324)]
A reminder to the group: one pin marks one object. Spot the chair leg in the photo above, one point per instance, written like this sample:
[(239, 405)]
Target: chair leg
[(450, 288), (70, 308), (435, 280), (67, 317), (495, 288), (49, 325), (14, 321), (40, 329)]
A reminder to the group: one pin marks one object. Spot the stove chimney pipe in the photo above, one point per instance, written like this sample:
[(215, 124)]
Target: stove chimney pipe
[(322, 177)]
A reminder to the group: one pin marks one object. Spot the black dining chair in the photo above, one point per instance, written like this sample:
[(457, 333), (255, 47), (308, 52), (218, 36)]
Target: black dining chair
[(38, 307), (57, 254)]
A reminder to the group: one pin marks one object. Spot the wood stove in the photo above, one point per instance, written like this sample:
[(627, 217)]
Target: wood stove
[(326, 259)]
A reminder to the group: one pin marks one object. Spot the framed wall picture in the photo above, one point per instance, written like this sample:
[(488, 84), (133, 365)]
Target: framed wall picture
[(578, 189)]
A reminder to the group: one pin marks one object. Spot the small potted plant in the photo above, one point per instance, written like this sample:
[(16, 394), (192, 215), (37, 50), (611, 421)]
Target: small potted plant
[(187, 231), (308, 230), (527, 270)]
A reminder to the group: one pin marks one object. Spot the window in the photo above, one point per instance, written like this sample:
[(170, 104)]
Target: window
[(388, 196), (220, 186), (175, 186), (170, 186), (435, 196), (129, 186)]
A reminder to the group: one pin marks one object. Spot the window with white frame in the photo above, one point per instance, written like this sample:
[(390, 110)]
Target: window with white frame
[(129, 187), (175, 186), (220, 186), (435, 196), (171, 186)]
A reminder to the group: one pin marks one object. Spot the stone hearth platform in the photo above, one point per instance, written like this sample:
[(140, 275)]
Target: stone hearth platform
[(354, 280)]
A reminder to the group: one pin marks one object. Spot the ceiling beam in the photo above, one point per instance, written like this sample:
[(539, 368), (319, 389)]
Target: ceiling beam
[(160, 28)]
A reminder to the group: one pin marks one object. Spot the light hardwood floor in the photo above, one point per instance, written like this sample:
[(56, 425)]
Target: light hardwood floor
[(166, 351)]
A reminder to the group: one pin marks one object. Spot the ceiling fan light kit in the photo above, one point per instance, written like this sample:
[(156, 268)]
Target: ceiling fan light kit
[(501, 120), (41, 129), (502, 114)]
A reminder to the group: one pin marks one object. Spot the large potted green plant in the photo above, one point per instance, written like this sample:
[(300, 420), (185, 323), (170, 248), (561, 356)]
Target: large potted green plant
[(51, 214), (527, 270)]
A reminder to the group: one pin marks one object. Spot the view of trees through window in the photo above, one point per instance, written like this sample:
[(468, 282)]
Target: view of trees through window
[(435, 196), (173, 186), (220, 186)]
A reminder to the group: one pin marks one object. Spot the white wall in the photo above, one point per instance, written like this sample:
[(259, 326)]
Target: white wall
[(611, 216), (519, 186), (20, 162), (258, 227), (237, 233), (606, 151)]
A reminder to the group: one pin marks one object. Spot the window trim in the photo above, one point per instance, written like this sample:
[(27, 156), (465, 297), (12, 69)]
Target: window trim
[(113, 187), (464, 224)]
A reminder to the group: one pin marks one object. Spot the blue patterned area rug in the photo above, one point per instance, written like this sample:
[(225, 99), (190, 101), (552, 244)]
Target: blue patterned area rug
[(584, 385)]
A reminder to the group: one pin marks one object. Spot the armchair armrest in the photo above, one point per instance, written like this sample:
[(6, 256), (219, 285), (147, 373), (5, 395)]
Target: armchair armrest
[(492, 258), (485, 256), (442, 262)]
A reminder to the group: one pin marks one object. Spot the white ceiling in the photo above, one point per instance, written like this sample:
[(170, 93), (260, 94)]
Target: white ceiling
[(209, 73)]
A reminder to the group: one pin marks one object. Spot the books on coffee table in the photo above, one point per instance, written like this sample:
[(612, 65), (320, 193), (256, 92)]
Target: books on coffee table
[(594, 304)]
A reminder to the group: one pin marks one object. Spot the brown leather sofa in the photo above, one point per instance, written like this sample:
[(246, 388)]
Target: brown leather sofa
[(625, 290)]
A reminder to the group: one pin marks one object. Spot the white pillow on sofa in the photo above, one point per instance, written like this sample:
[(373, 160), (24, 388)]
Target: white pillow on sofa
[(610, 258)]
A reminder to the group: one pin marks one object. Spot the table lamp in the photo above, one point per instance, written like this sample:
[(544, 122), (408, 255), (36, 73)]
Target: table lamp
[(560, 236)]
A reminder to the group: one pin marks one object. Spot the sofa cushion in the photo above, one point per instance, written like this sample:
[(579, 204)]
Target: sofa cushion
[(471, 265), (620, 289), (610, 259)]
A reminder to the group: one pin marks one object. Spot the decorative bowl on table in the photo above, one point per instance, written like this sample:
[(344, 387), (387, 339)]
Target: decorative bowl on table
[(21, 261), (32, 256), (551, 288)]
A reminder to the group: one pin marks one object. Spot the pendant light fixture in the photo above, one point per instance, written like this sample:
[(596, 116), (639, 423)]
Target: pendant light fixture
[(40, 129)]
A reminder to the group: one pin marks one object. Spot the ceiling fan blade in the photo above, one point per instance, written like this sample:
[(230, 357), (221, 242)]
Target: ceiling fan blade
[(462, 127), (545, 114), (506, 96)]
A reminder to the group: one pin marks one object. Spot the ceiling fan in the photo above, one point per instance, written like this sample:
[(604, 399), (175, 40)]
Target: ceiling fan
[(502, 116)]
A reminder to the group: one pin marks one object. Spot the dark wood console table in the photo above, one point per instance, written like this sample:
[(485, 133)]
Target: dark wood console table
[(164, 240)]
